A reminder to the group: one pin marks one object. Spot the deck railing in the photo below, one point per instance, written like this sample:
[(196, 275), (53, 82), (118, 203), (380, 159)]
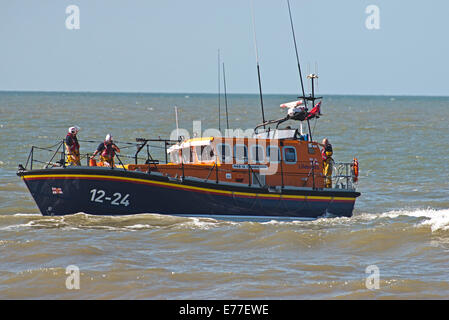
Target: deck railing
[(342, 173), (57, 155), (343, 176)]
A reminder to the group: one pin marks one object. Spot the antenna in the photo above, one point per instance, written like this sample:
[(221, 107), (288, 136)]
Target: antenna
[(308, 72), (176, 119), (257, 61), (317, 89), (226, 97), (219, 100), (312, 77), (297, 55), (299, 68)]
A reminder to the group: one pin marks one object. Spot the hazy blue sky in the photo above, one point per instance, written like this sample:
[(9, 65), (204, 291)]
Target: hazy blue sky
[(171, 46)]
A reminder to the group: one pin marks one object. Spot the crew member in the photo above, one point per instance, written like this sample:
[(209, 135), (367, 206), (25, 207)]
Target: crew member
[(327, 162), (107, 150), (72, 147)]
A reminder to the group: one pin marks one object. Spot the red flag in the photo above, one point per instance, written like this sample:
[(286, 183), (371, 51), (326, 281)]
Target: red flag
[(315, 112)]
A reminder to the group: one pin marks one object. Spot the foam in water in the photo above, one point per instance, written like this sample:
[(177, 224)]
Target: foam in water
[(436, 219)]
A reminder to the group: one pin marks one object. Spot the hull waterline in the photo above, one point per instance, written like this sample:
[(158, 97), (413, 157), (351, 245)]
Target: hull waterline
[(101, 191)]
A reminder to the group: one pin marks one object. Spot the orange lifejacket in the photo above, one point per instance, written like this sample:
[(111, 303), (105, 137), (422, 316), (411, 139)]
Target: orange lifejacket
[(108, 151), (74, 146), (355, 170), (73, 150), (327, 152)]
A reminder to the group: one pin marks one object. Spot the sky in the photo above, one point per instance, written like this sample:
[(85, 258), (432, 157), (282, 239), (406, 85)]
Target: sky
[(172, 46)]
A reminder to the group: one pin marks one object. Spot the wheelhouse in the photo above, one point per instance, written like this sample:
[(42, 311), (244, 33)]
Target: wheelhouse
[(278, 162)]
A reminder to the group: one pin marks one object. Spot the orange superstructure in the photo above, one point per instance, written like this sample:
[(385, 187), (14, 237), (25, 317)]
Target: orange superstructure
[(269, 163)]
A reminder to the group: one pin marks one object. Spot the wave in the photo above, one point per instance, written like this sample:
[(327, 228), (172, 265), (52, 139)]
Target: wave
[(436, 219)]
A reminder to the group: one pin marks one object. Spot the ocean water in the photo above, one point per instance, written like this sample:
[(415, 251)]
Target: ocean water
[(400, 227)]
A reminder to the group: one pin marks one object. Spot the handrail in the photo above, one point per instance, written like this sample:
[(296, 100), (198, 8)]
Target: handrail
[(254, 175), (59, 149), (338, 175), (216, 168), (60, 144), (210, 171), (342, 173), (313, 172), (144, 142), (139, 147), (30, 156)]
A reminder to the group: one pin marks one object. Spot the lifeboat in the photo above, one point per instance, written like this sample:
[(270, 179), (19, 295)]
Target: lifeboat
[(273, 175)]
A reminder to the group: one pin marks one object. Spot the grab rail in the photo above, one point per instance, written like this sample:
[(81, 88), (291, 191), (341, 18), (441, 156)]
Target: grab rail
[(59, 149), (342, 174)]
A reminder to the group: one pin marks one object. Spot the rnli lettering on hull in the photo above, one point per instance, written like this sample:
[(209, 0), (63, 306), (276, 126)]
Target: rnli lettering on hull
[(245, 166)]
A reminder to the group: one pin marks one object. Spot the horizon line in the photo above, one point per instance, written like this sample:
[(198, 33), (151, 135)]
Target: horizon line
[(229, 93)]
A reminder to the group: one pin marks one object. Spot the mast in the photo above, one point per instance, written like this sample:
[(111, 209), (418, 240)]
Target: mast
[(312, 97), (296, 51), (226, 97), (257, 62), (176, 120), (219, 100)]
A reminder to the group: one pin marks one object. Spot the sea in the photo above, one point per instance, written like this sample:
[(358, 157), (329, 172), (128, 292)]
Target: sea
[(395, 246)]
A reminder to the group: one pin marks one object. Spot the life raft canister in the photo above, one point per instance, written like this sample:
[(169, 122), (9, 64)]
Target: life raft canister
[(355, 170)]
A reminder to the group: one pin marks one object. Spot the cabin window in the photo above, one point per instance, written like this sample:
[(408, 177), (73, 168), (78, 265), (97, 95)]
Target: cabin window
[(174, 156), (187, 155), (289, 155), (257, 154), (311, 148), (198, 152), (240, 153), (224, 152), (273, 154), (207, 153)]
